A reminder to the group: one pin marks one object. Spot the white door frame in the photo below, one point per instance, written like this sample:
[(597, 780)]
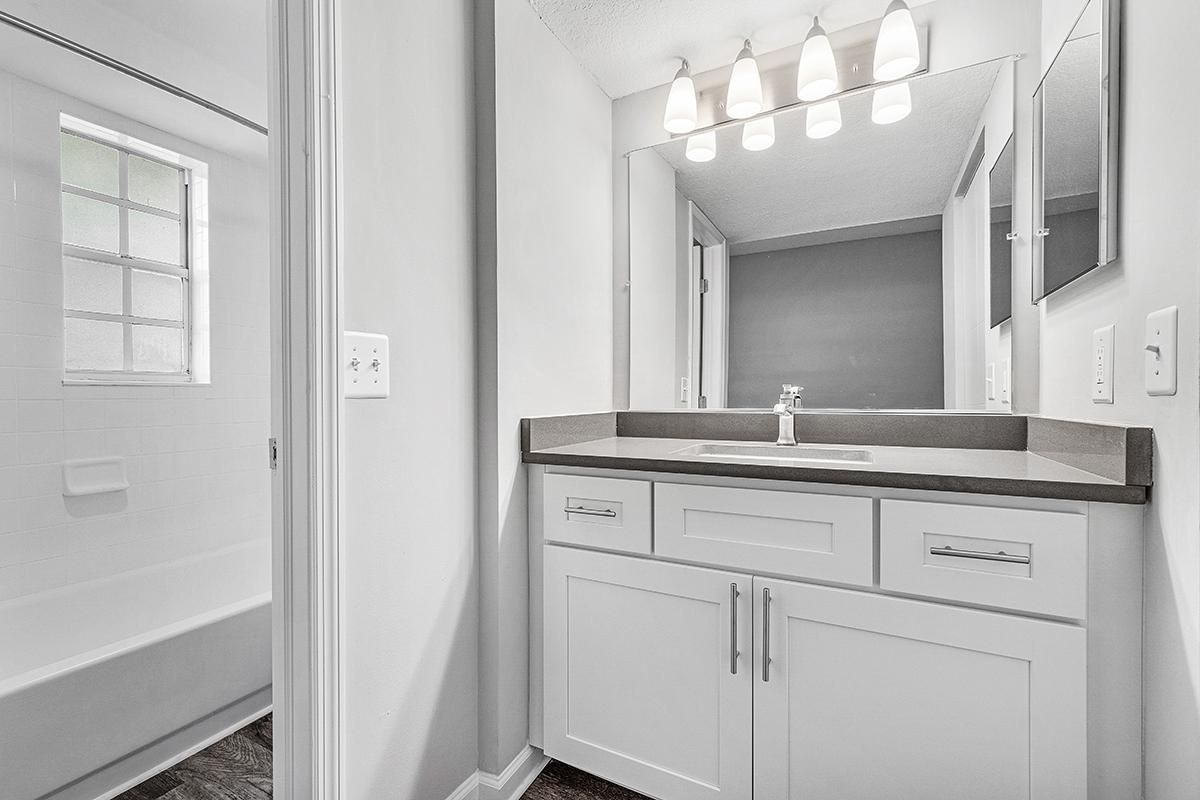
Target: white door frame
[(306, 392)]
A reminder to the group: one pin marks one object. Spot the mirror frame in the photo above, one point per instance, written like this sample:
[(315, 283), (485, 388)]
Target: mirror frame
[(1109, 123)]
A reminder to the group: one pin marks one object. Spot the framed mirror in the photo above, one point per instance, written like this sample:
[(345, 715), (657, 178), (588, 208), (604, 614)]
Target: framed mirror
[(854, 264), (1077, 115)]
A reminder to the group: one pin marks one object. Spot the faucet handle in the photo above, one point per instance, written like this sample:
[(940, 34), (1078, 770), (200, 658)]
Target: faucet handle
[(791, 396)]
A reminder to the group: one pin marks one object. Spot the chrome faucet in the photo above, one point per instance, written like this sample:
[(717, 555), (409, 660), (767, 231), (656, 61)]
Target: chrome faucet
[(789, 403)]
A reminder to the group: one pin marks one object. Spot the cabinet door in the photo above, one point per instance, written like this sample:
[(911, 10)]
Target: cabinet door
[(866, 697), (648, 673)]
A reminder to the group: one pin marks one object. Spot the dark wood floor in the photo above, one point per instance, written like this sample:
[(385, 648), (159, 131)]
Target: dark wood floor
[(239, 768), (236, 768), (560, 782)]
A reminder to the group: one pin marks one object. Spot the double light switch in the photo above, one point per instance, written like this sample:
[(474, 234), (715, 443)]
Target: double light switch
[(365, 361)]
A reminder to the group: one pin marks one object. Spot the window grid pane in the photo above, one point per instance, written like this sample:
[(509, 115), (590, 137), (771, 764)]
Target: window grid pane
[(152, 317)]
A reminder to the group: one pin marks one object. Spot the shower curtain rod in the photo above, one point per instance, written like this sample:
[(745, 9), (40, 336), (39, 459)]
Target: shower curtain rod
[(126, 69)]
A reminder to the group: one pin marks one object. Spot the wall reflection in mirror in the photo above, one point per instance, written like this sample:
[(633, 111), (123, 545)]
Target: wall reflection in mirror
[(855, 265)]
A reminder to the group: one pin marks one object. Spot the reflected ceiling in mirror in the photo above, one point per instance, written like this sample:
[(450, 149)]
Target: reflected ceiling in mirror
[(864, 174), (854, 265)]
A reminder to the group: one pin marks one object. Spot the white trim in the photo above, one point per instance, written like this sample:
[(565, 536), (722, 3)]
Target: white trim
[(509, 784), (188, 752), (467, 790), (109, 781), (516, 777), (306, 390)]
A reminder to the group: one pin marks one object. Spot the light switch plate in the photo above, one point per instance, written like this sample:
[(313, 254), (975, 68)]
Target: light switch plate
[(367, 372), (1102, 364), (1162, 351)]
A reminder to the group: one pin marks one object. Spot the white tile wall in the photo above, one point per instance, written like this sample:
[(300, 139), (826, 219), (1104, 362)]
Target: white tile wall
[(196, 455)]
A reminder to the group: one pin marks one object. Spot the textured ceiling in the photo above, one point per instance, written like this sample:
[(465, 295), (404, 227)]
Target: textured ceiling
[(631, 45), (864, 174)]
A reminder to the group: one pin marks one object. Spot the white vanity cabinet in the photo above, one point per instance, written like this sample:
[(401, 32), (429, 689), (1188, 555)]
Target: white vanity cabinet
[(648, 673), (863, 696), (780, 642)]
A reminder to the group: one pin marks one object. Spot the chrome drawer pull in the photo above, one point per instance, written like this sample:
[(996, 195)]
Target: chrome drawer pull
[(591, 512), (733, 651), (979, 555), (766, 633)]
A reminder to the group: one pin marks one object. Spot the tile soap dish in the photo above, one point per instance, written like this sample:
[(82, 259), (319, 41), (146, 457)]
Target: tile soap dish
[(84, 476)]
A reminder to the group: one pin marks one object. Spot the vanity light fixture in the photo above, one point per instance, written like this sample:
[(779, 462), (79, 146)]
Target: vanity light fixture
[(758, 134), (702, 147), (817, 76), (680, 114), (745, 97), (823, 120), (891, 104), (896, 50)]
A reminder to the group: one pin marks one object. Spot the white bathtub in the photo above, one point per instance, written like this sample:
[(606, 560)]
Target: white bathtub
[(104, 682)]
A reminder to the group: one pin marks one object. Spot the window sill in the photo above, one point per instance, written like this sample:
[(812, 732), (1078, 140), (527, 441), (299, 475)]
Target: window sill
[(155, 384)]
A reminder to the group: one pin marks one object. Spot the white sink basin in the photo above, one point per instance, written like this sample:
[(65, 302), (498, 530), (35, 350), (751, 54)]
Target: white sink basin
[(799, 453)]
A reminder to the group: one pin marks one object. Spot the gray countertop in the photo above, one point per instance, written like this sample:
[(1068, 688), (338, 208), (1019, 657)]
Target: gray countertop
[(954, 469)]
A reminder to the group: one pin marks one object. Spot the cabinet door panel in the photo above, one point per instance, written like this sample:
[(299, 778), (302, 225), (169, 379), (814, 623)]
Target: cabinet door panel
[(870, 697), (639, 683)]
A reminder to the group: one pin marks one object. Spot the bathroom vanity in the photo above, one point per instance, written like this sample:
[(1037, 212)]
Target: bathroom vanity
[(853, 617)]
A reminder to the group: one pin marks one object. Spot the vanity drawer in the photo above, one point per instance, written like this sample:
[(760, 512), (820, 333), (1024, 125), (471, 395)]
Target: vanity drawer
[(609, 513), (1005, 557), (818, 536)]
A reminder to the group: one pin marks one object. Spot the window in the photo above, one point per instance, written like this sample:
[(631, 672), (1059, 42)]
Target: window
[(127, 259)]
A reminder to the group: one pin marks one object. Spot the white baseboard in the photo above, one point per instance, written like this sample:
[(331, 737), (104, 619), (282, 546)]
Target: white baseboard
[(122, 775), (468, 789), (509, 784)]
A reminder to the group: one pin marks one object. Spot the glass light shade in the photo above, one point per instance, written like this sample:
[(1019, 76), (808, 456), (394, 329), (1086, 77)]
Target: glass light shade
[(758, 134), (744, 98), (702, 147), (896, 50), (680, 114), (824, 120), (891, 104), (817, 76)]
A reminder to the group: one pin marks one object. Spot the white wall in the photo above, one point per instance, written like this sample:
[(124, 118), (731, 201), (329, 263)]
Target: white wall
[(195, 454), (1158, 264), (217, 49), (545, 317), (409, 598)]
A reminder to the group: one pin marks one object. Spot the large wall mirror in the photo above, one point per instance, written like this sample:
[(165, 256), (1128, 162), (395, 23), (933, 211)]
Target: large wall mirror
[(863, 266), (1075, 183)]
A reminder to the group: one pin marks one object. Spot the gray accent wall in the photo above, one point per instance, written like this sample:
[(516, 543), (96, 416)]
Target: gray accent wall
[(857, 323)]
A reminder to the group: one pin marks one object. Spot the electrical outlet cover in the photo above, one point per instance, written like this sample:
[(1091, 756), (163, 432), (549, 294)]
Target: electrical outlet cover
[(1162, 351), (367, 372), (1102, 364)]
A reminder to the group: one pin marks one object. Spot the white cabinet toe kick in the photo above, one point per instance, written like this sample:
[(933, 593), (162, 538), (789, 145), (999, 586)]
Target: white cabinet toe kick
[(696, 637)]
